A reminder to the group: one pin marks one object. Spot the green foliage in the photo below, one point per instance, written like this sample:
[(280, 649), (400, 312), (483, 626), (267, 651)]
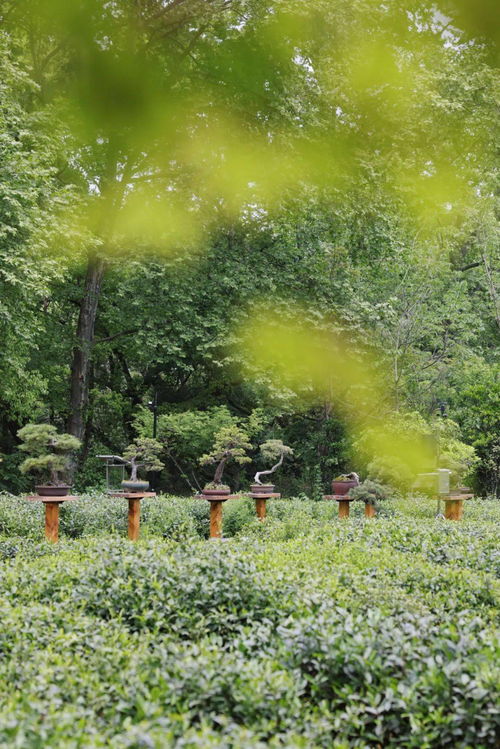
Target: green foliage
[(438, 440), (231, 443), (240, 150), (477, 408), (186, 434), (370, 492), (49, 450), (302, 631), (273, 449), (31, 200), (143, 453), (460, 459)]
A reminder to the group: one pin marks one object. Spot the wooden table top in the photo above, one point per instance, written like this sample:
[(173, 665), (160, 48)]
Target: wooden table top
[(217, 497), (133, 495), (261, 495), (40, 498), (339, 497)]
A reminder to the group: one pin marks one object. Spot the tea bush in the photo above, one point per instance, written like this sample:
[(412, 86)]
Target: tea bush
[(303, 631)]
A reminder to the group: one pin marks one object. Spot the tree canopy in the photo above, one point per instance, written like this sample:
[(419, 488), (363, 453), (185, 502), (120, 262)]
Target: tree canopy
[(171, 170)]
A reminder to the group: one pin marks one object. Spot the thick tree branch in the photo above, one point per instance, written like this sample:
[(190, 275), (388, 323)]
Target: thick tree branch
[(116, 335)]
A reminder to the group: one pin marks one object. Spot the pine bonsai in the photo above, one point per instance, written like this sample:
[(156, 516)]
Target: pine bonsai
[(49, 452), (272, 450), (143, 453), (347, 477), (370, 492), (231, 443)]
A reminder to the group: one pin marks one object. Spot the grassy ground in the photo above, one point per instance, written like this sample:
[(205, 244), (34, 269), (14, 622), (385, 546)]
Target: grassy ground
[(303, 631)]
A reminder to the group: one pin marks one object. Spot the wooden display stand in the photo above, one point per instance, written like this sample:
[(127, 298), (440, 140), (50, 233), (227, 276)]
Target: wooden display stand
[(344, 503), (260, 502), (134, 510), (216, 502), (51, 513), (370, 511), (454, 506)]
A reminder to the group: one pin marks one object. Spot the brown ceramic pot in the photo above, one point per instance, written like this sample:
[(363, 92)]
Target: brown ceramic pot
[(62, 490), (216, 492), (342, 487), (135, 486), (262, 488)]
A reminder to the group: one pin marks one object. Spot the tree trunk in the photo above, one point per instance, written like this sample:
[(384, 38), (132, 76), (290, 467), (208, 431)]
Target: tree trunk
[(133, 470), (219, 471), (82, 351)]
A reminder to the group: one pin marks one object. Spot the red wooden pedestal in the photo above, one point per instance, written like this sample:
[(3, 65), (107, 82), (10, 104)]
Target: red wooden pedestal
[(454, 506), (216, 502), (260, 502), (134, 510), (344, 503), (51, 513)]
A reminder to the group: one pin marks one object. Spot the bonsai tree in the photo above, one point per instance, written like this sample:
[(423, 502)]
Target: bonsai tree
[(230, 443), (142, 453), (369, 492), (272, 450), (347, 477), (49, 452)]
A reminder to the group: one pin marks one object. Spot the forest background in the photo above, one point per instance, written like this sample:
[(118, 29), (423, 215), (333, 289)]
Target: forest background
[(170, 169)]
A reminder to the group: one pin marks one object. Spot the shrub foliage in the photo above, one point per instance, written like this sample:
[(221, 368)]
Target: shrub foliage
[(304, 631)]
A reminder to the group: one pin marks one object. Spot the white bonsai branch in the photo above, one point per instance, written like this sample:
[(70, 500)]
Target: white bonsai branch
[(271, 470)]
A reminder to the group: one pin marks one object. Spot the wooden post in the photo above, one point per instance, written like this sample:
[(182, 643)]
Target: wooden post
[(260, 508), (52, 521), (51, 513), (343, 508), (370, 511), (453, 509), (215, 519), (134, 510), (134, 518)]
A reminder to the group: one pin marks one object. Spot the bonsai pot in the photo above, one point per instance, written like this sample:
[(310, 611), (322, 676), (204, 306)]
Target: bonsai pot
[(61, 490), (222, 492), (343, 487), (262, 488), (135, 486)]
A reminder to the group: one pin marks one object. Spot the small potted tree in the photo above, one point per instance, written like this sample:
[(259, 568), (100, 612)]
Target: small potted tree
[(49, 457), (371, 493), (142, 453), (343, 483), (230, 443), (270, 450)]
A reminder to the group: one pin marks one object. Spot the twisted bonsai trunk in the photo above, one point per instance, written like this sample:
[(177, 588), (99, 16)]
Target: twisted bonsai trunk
[(271, 470), (133, 470), (220, 470)]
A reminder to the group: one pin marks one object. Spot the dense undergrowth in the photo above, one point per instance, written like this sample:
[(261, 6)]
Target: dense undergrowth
[(304, 631)]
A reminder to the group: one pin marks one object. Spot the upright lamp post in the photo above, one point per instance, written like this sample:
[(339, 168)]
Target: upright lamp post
[(443, 480), (153, 407)]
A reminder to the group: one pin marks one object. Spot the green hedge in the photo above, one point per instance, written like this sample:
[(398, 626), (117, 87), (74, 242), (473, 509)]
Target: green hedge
[(303, 631)]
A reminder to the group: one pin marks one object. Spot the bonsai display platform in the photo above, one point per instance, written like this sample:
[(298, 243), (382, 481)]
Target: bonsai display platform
[(344, 502), (454, 506), (370, 511), (134, 510), (260, 502), (216, 502), (51, 513)]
